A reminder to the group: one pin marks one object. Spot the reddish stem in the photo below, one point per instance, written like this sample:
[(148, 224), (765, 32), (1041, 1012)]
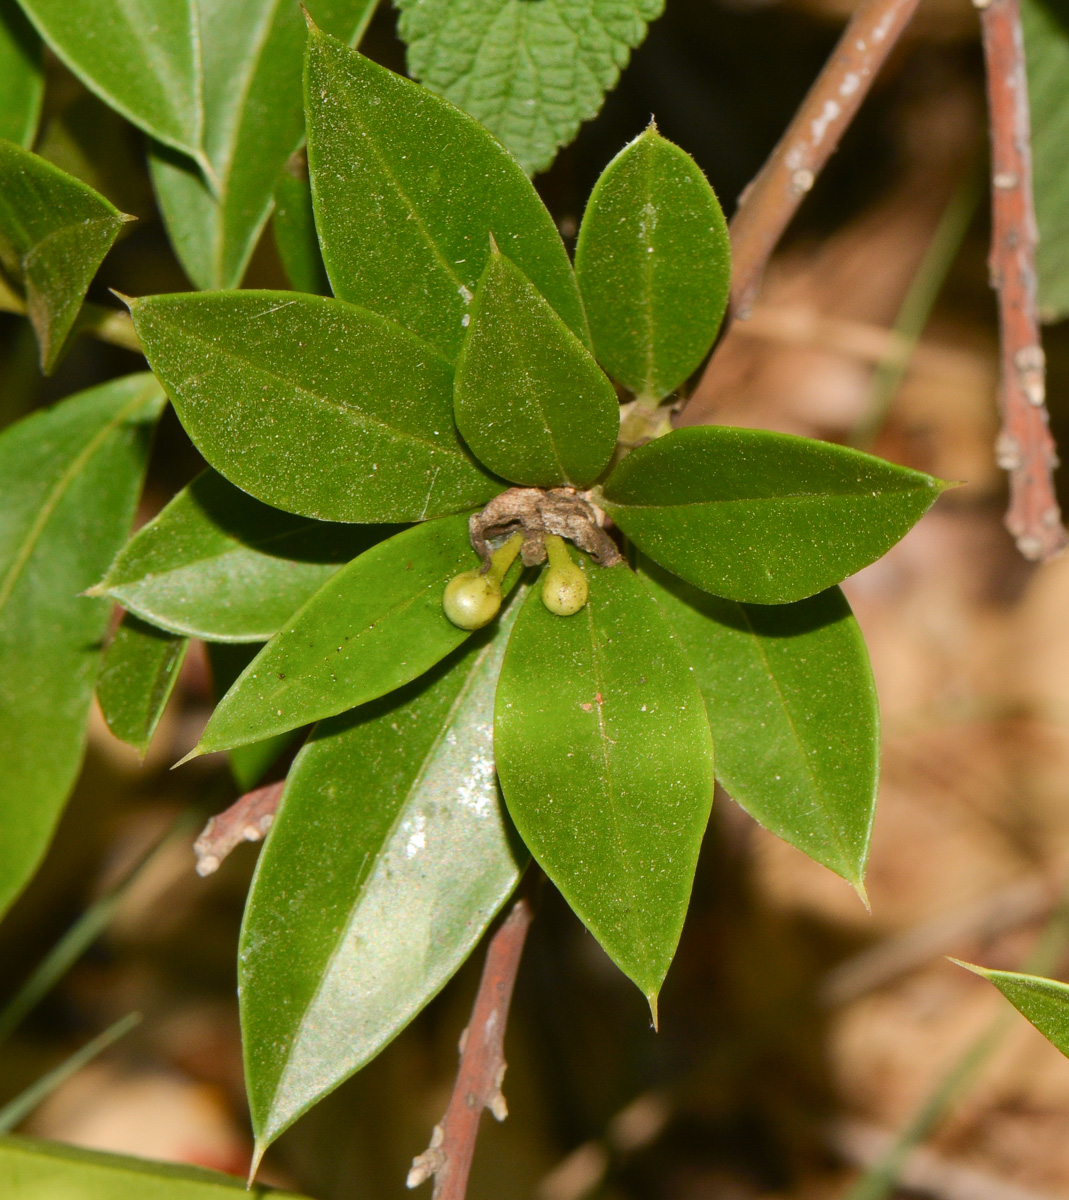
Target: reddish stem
[(247, 820)]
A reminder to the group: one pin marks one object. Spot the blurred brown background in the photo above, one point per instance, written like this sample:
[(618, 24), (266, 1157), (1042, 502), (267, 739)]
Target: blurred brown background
[(799, 1033)]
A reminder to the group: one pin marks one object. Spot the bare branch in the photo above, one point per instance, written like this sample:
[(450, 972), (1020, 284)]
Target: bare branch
[(247, 820), (772, 198), (482, 1065), (1025, 447)]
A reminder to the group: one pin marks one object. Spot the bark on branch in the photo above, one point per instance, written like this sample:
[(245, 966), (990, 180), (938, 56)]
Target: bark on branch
[(772, 198), (482, 1065), (247, 820), (1025, 447)]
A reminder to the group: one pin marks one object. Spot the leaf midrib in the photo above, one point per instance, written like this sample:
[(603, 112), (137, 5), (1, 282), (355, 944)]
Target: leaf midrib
[(825, 495)]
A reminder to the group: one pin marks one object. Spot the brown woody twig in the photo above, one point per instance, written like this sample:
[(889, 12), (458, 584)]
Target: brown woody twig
[(772, 198), (247, 820), (482, 1065), (1025, 447)]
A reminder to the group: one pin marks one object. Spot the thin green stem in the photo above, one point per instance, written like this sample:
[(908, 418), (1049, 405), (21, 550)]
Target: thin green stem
[(558, 552), (917, 306), (504, 556)]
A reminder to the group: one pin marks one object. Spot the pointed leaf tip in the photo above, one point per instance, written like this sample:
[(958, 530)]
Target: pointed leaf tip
[(196, 752), (651, 1000)]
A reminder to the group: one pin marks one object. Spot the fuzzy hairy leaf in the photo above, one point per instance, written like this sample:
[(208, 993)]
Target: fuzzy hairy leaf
[(252, 59), (763, 518), (22, 78), (529, 399), (1046, 38), (69, 481), (143, 60), (137, 676), (374, 626), (390, 854), (34, 1170), (792, 704), (218, 564), (653, 262), (312, 405), (531, 73), (54, 233), (606, 762), (408, 191)]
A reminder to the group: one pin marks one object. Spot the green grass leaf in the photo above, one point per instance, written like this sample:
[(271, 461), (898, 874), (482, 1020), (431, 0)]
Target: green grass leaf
[(408, 191), (312, 405), (54, 233), (531, 73), (606, 762), (33, 1170), (1046, 39), (295, 236), (792, 704), (653, 262), (252, 62), (390, 854), (22, 78), (763, 518), (218, 564), (137, 676), (143, 60), (374, 626), (69, 481), (1045, 1002), (529, 399)]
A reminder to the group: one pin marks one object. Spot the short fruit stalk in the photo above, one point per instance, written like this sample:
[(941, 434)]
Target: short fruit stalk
[(564, 589), (473, 598)]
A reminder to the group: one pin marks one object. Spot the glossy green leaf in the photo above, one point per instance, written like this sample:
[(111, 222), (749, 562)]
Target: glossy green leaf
[(531, 73), (296, 239), (1046, 38), (374, 626), (408, 191), (54, 233), (792, 705), (141, 59), (606, 761), (529, 399), (217, 564), (312, 405), (763, 518), (1045, 1002), (22, 79), (389, 856), (137, 676), (36, 1170), (653, 262), (69, 480), (252, 63), (248, 764)]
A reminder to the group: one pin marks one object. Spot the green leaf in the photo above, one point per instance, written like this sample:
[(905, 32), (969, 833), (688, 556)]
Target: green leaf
[(137, 676), (34, 1170), (1045, 1002), (312, 405), (217, 564), (141, 59), (248, 764), (529, 399), (69, 480), (606, 761), (54, 233), (792, 704), (763, 518), (531, 73), (390, 854), (296, 239), (253, 58), (374, 626), (408, 191), (653, 262), (22, 80), (1046, 37)]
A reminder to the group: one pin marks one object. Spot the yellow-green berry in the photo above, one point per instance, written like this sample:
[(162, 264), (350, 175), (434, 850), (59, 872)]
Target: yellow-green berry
[(471, 600), (564, 590)]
